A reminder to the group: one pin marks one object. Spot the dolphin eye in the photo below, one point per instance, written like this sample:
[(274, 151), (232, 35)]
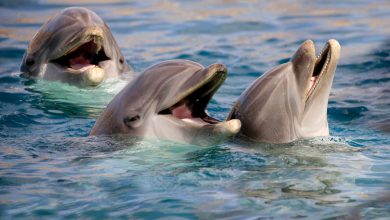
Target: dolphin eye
[(131, 121), (30, 62)]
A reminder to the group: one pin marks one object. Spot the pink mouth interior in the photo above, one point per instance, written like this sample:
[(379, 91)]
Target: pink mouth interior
[(79, 62), (193, 107), (313, 80), (187, 110), (86, 55), (320, 67), (181, 111)]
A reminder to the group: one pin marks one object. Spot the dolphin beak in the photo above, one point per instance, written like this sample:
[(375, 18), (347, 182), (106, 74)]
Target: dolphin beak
[(191, 103), (190, 106), (93, 76), (229, 128), (324, 66), (217, 133)]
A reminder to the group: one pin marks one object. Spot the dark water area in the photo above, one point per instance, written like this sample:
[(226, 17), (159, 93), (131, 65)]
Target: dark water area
[(50, 168)]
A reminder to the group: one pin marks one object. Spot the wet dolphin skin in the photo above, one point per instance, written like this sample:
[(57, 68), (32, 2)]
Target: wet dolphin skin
[(168, 101), (290, 101), (74, 46)]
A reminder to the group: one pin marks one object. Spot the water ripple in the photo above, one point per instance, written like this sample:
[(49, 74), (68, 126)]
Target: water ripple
[(50, 168)]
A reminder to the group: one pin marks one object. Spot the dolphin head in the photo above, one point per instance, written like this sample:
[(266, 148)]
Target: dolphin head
[(290, 101), (74, 46), (168, 101)]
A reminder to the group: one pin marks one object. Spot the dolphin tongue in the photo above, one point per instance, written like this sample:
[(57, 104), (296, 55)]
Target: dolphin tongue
[(79, 62), (184, 110), (181, 111)]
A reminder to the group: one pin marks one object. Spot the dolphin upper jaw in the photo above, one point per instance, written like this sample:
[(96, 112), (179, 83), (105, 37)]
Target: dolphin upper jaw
[(92, 39), (214, 76), (198, 96), (85, 35), (303, 63)]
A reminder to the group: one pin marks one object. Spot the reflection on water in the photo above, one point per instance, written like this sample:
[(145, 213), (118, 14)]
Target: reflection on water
[(369, 87), (49, 167), (70, 100)]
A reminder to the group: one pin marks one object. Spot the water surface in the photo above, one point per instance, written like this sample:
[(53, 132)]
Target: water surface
[(49, 168)]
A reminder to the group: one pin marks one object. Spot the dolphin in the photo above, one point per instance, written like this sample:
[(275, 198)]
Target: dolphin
[(168, 101), (290, 101), (74, 46)]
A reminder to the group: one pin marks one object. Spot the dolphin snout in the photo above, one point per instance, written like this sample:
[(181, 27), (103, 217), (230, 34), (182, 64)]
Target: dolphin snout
[(229, 128), (335, 48), (93, 76)]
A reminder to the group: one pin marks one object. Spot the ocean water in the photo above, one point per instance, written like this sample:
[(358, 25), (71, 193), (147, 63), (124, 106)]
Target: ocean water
[(50, 168)]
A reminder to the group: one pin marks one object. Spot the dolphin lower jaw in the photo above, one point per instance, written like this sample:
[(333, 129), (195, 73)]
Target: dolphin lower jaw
[(192, 131), (215, 133)]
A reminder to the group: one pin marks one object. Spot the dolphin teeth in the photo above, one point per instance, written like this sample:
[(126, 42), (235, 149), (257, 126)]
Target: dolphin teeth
[(323, 66), (327, 46), (82, 55)]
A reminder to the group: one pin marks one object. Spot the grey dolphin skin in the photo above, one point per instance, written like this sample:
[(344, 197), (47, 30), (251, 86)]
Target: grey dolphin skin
[(290, 101), (168, 101), (74, 46)]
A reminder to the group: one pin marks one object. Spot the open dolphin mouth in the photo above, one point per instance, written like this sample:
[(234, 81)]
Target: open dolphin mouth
[(320, 69), (82, 54), (192, 107)]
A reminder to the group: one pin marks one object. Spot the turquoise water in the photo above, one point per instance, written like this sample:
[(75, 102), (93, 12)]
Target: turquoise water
[(49, 168)]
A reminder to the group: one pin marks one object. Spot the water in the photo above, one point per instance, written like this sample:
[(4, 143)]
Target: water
[(49, 168)]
